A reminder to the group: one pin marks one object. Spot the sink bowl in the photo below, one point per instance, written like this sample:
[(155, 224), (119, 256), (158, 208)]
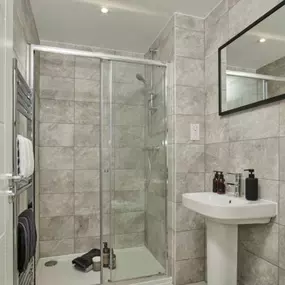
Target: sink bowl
[(223, 214), (229, 209)]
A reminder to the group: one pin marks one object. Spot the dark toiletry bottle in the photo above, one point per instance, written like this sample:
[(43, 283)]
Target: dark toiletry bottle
[(216, 182), (221, 184), (251, 186), (113, 262), (106, 255)]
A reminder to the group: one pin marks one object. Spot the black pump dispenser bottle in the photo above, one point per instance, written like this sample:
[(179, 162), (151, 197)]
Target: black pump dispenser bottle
[(251, 186)]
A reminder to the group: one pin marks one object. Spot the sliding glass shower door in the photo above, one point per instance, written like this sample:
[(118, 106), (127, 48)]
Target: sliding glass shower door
[(133, 169)]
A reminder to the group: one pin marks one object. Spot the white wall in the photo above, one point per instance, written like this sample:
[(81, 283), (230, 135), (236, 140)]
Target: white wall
[(6, 39)]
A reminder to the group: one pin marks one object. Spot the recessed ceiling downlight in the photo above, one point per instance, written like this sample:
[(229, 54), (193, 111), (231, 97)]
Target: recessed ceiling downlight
[(262, 40), (104, 10)]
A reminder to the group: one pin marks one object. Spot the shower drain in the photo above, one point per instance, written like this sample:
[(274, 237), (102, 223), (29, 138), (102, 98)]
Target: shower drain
[(51, 263)]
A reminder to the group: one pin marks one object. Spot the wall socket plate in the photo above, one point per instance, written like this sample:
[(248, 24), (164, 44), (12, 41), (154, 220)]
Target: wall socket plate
[(195, 132)]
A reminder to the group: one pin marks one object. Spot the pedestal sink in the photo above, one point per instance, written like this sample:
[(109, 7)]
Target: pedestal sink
[(223, 215)]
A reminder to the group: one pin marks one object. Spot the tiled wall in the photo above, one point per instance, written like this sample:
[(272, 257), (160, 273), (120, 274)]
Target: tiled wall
[(69, 155), (252, 138), (181, 44)]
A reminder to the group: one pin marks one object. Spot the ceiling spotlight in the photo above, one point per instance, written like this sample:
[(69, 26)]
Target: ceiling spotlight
[(262, 40), (104, 10)]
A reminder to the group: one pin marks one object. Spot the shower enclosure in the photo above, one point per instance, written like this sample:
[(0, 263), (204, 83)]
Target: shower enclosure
[(120, 138)]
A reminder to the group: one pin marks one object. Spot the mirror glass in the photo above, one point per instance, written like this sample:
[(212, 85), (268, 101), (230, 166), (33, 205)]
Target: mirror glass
[(252, 66)]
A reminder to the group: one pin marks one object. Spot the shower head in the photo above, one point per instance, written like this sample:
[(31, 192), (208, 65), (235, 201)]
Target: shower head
[(140, 78)]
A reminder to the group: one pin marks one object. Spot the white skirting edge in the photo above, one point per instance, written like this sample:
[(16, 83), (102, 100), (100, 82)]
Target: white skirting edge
[(155, 281)]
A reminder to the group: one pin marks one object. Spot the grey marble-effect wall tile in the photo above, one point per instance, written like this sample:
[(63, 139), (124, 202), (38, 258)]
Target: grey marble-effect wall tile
[(189, 72), (217, 157), (129, 93), (232, 3), (89, 225), (189, 101), (52, 205), (57, 65), (84, 244), (126, 72), (189, 43), (281, 210), (269, 190), (54, 134), (86, 203), (56, 228), (58, 88), (155, 206), (190, 158), (128, 201), (216, 35), (129, 240), (129, 180), (189, 22), (282, 119), (128, 115), (56, 157), (56, 111), (282, 158), (261, 240), (87, 113), (187, 220), (87, 90), (216, 14), (189, 183), (255, 270), (217, 129), (281, 276), (56, 247), (86, 158), (264, 123), (131, 222), (86, 180), (129, 158), (86, 135), (190, 271), (246, 12), (282, 246), (128, 136), (87, 68), (261, 155), (56, 181), (190, 244), (183, 129)]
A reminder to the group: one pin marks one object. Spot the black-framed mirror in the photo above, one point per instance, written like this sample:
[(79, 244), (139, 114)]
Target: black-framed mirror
[(252, 64)]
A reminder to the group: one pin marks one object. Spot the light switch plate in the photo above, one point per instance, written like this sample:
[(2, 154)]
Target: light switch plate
[(195, 132)]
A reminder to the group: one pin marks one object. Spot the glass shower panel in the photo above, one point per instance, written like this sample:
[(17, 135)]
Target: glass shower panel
[(137, 172), (106, 162)]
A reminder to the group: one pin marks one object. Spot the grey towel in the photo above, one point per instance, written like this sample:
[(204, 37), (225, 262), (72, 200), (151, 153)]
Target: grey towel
[(23, 244)]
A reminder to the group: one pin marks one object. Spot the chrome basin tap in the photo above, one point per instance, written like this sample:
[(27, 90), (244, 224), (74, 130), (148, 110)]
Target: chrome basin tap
[(237, 183)]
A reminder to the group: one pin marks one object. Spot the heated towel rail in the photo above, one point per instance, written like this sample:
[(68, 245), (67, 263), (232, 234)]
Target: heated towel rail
[(22, 105)]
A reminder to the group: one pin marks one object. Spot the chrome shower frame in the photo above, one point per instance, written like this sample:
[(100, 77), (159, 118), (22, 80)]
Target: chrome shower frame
[(107, 58)]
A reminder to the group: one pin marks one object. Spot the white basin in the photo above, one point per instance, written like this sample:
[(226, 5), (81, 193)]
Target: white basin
[(223, 214), (228, 209)]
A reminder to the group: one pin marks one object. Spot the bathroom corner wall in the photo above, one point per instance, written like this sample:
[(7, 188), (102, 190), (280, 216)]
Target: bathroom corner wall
[(181, 44), (250, 139), (69, 154), (25, 32)]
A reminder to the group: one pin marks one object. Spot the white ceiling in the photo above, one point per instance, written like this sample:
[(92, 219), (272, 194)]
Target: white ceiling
[(130, 25)]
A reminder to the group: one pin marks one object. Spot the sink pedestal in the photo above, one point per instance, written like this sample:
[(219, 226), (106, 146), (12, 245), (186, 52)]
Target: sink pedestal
[(222, 250)]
